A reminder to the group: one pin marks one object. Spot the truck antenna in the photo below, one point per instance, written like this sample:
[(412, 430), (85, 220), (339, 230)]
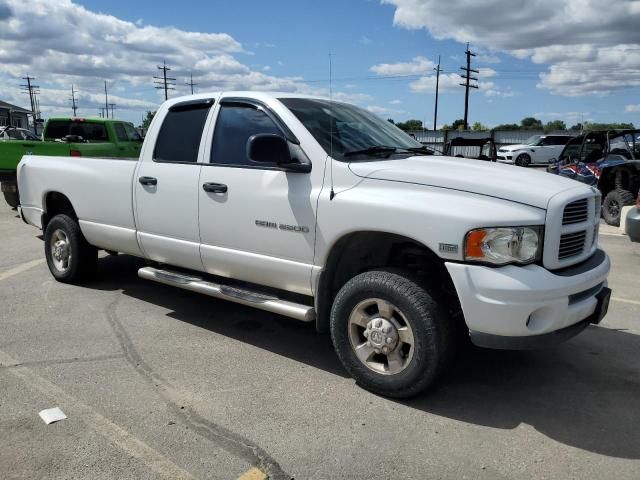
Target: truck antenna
[(332, 193)]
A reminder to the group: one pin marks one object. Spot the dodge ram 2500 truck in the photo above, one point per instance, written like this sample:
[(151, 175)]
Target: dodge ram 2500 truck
[(64, 136), (323, 212)]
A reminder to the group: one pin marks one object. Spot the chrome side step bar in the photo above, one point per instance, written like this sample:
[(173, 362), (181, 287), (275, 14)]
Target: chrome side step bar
[(250, 298)]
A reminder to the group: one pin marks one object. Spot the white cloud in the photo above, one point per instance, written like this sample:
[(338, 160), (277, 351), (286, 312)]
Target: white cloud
[(592, 46), (395, 102), (378, 110), (62, 43), (632, 108), (448, 82), (417, 65)]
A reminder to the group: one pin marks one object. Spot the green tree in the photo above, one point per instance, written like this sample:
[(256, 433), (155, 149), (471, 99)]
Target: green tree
[(507, 126), (410, 125), (458, 124), (147, 119), (530, 123), (391, 121), (479, 127), (577, 126), (555, 125), (607, 126)]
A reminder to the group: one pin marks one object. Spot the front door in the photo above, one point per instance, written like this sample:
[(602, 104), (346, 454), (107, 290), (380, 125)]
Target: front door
[(256, 221), (166, 187)]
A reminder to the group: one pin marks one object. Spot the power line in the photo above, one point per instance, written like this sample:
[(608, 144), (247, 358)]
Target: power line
[(106, 99), (190, 82), (164, 82), (74, 105), (435, 112), (32, 90), (467, 84)]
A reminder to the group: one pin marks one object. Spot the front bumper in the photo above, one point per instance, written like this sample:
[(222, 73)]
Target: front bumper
[(632, 225), (505, 157), (528, 301)]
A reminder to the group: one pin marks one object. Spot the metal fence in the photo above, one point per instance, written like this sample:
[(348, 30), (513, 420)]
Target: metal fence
[(437, 139)]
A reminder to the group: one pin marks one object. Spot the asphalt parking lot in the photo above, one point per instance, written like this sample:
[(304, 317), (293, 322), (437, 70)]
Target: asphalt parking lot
[(162, 383)]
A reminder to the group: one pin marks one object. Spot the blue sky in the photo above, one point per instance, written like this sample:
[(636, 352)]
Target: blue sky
[(291, 40)]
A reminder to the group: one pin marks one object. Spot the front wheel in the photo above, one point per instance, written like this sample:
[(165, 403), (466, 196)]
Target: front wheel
[(523, 160), (390, 334), (69, 256)]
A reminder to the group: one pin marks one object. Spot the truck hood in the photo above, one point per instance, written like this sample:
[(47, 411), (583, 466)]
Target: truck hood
[(516, 184), (513, 148)]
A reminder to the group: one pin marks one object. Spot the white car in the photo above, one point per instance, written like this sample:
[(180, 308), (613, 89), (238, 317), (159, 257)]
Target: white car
[(538, 149), (13, 133), (326, 213)]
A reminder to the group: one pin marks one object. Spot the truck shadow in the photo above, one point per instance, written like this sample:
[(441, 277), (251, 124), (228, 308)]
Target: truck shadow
[(584, 393)]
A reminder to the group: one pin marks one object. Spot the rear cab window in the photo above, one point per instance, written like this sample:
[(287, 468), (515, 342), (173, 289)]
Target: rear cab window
[(181, 132), (89, 131)]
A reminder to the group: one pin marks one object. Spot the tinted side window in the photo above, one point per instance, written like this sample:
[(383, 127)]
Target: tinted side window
[(180, 134), (234, 126), (120, 132), (57, 129), (95, 132), (557, 140)]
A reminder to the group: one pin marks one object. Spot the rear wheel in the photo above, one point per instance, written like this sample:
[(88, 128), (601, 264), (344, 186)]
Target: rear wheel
[(390, 334), (613, 203), (69, 256), (12, 199), (523, 160)]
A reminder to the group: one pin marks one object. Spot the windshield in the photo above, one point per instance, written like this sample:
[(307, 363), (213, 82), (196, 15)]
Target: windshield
[(353, 129), (533, 141), (625, 144)]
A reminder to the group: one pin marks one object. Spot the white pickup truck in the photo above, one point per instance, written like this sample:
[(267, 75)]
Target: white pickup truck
[(323, 212)]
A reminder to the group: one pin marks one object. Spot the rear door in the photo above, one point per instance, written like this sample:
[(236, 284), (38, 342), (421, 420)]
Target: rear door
[(166, 187)]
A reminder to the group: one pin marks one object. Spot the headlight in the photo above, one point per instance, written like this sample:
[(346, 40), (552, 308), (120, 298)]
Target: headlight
[(503, 245)]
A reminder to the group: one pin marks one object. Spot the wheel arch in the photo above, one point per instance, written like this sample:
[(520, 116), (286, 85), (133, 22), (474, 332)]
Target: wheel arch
[(54, 203), (361, 251)]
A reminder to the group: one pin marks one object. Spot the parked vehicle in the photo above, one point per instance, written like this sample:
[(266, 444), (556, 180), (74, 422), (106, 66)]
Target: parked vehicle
[(15, 133), (64, 136), (632, 223), (609, 160), (478, 148), (538, 149), (326, 213)]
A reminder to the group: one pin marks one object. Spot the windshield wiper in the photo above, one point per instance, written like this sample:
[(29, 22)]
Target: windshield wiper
[(423, 149), (370, 150)]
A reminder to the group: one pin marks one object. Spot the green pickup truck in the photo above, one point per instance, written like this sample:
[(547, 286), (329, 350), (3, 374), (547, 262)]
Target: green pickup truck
[(65, 136)]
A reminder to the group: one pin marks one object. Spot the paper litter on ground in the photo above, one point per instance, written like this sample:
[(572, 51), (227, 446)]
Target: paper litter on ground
[(51, 415)]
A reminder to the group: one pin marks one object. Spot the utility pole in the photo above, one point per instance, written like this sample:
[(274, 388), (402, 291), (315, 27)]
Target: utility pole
[(435, 113), (113, 106), (106, 99), (74, 105), (32, 90), (190, 82), (164, 82), (468, 78)]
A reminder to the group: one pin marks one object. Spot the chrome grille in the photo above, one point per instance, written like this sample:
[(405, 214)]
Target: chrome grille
[(576, 212), (571, 244)]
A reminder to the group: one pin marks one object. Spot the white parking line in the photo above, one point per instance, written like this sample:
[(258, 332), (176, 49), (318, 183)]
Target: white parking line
[(625, 300), (20, 268), (115, 434)]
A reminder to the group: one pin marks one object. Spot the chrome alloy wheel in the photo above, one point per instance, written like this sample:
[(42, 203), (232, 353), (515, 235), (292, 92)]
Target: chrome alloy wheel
[(60, 250), (381, 336)]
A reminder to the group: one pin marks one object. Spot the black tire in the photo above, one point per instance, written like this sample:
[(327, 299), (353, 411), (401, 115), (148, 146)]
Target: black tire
[(523, 160), (82, 261), (432, 333), (613, 203), (12, 199)]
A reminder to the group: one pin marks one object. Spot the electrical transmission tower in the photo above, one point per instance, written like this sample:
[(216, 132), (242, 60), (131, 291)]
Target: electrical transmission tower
[(33, 91), (74, 105), (467, 84), (190, 82), (165, 83)]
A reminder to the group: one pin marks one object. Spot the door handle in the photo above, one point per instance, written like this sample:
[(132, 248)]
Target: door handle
[(214, 187), (148, 180)]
